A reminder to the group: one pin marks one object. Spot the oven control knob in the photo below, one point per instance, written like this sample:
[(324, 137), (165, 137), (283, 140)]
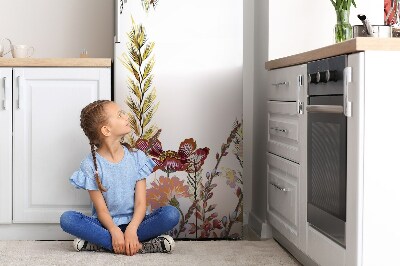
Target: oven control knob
[(324, 76), (314, 78), (333, 76), (328, 75)]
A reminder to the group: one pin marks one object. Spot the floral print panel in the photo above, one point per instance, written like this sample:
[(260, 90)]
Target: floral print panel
[(200, 177)]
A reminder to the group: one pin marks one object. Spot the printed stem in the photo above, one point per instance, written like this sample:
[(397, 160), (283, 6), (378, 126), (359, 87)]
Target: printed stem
[(232, 222)]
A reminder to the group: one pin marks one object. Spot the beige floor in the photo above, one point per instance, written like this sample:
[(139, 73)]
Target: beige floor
[(221, 252)]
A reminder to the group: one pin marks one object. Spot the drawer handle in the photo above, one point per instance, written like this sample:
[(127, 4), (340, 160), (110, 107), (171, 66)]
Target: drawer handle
[(20, 88), (284, 83), (5, 93), (280, 129), (279, 187)]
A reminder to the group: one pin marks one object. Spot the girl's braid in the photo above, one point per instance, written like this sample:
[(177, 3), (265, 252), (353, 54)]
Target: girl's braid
[(92, 118)]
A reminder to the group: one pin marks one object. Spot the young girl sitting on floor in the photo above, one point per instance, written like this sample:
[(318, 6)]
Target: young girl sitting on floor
[(114, 176)]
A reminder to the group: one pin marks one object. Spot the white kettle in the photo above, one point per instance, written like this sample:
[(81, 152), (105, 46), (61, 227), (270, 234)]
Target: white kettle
[(2, 53)]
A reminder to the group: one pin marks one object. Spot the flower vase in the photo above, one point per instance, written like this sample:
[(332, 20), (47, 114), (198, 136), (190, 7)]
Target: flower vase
[(343, 29)]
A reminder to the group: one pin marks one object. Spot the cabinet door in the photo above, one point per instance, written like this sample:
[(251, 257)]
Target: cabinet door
[(283, 196), (5, 146), (48, 141)]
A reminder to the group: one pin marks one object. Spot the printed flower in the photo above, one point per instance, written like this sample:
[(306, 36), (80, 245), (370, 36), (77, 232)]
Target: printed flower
[(195, 158), (152, 147), (169, 162), (165, 191), (186, 159), (231, 177)]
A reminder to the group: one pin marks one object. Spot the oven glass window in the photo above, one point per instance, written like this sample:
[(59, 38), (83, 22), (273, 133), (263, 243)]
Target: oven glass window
[(327, 163)]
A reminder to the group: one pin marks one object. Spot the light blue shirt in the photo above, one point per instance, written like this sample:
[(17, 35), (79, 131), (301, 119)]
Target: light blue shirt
[(118, 178)]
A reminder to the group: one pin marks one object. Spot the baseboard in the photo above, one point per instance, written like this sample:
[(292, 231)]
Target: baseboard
[(260, 228), (292, 249), (33, 232)]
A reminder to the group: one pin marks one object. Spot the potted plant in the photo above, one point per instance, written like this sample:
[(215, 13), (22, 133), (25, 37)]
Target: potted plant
[(343, 29)]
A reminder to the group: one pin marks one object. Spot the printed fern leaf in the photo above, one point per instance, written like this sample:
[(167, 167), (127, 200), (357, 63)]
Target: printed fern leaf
[(147, 83), (134, 88), (139, 62), (148, 101), (147, 51), (149, 115), (150, 132), (148, 68)]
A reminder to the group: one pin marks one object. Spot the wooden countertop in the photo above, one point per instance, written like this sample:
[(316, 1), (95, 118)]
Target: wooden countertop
[(55, 62), (348, 47)]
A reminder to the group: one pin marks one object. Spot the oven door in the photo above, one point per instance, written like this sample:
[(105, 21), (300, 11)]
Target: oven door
[(326, 166)]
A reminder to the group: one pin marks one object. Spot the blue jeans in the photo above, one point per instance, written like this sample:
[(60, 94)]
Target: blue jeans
[(90, 229)]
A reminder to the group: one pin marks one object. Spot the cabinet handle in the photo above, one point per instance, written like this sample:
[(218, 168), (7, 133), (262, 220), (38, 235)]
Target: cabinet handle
[(279, 129), (20, 88), (284, 189), (286, 83), (5, 93)]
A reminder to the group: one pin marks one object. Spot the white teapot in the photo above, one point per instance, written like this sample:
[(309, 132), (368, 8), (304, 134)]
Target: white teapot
[(2, 53)]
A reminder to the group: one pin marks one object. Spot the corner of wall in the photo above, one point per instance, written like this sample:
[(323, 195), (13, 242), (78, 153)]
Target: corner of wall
[(262, 229)]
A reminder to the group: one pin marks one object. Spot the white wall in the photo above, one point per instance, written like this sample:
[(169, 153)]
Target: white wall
[(60, 28), (256, 84), (301, 25), (248, 91)]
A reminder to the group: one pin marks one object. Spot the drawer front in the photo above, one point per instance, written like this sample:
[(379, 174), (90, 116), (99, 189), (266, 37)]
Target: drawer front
[(283, 83), (283, 196), (283, 130)]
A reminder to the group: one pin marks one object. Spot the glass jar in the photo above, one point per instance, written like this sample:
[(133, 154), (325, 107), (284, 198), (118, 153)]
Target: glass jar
[(343, 30)]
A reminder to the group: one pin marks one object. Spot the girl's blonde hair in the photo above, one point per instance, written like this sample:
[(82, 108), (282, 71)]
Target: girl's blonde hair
[(93, 117)]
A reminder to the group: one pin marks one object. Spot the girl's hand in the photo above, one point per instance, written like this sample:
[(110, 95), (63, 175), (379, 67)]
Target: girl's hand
[(118, 241), (132, 244)]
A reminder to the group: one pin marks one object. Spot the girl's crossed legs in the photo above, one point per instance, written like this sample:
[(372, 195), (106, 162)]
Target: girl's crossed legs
[(90, 229)]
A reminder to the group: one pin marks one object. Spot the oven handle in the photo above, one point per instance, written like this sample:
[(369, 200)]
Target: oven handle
[(335, 109)]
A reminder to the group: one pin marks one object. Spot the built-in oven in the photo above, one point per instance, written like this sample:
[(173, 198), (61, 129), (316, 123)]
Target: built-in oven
[(327, 148)]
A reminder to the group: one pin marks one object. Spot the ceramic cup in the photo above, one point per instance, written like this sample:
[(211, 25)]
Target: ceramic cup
[(21, 50), (2, 53)]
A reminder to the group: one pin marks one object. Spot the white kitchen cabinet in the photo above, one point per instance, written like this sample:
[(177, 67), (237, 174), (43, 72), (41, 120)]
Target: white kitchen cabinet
[(283, 129), (283, 196), (5, 146), (372, 197), (285, 126), (47, 144)]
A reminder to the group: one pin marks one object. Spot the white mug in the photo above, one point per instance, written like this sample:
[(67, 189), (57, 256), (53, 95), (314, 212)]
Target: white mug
[(21, 50), (2, 53)]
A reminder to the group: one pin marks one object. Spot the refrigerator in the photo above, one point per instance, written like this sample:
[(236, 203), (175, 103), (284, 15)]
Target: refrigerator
[(177, 72)]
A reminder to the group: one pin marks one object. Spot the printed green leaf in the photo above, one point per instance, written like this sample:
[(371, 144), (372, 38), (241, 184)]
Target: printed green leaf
[(147, 83), (141, 102), (149, 115), (147, 51), (148, 68), (134, 88), (148, 101)]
